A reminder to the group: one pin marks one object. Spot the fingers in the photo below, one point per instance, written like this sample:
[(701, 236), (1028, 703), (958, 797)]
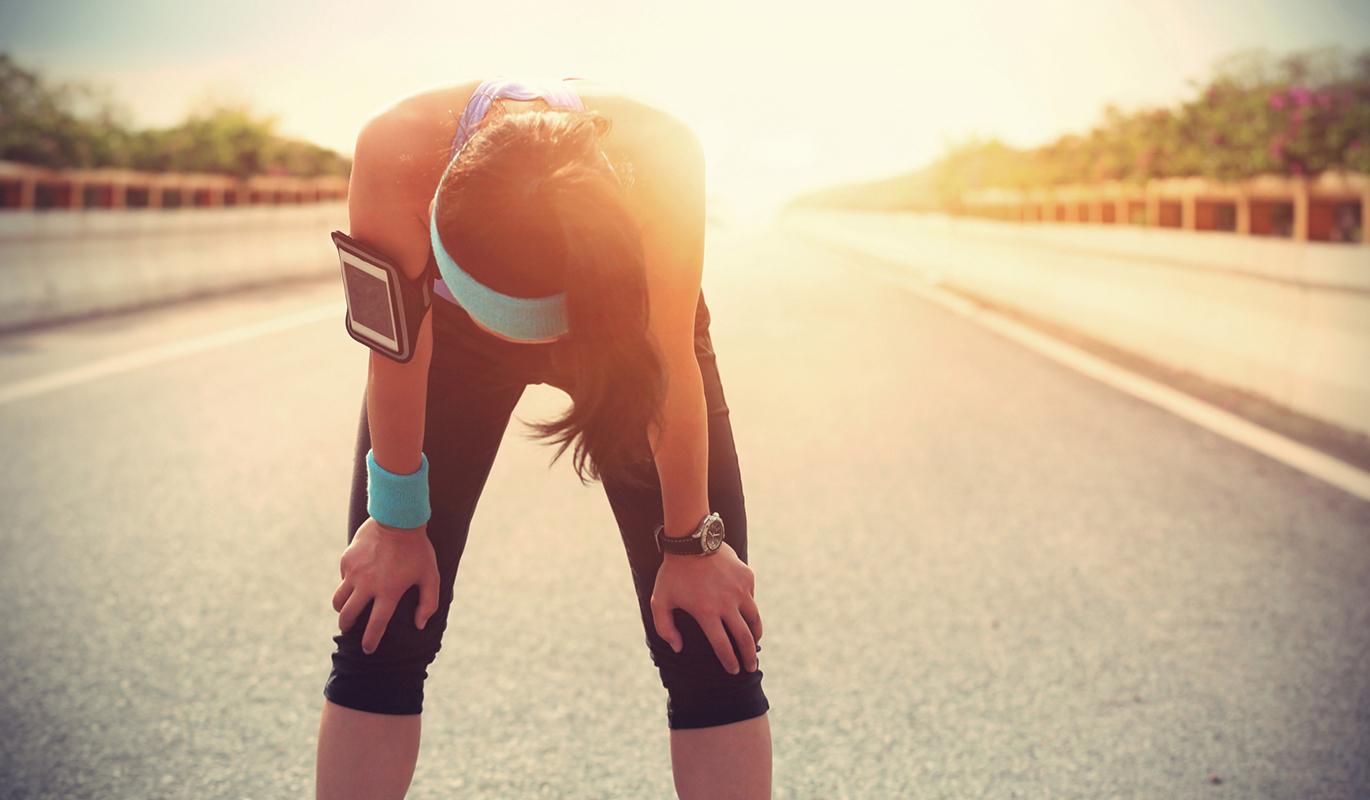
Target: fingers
[(665, 624), (340, 596), (746, 645), (347, 617), (713, 629), (375, 627), (752, 615), (381, 612), (428, 599)]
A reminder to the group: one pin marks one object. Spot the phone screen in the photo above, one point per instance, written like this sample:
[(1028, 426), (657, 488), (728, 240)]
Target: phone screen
[(368, 299)]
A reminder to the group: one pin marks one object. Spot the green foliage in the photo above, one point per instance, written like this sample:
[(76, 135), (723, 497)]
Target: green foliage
[(1301, 114), (38, 126), (73, 125)]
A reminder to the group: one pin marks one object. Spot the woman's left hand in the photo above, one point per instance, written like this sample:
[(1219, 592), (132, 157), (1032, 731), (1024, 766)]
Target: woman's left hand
[(716, 590)]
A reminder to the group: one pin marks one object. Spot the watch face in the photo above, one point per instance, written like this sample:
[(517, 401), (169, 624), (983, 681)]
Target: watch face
[(713, 536)]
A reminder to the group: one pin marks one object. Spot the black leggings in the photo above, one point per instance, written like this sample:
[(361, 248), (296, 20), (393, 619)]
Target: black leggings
[(474, 382)]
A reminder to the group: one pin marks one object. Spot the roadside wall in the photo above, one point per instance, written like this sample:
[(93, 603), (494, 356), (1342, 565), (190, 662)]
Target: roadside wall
[(58, 265)]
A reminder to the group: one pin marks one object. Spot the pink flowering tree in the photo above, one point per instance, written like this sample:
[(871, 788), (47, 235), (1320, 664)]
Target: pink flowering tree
[(1298, 115)]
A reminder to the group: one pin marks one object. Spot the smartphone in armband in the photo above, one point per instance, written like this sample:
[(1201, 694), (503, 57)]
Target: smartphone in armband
[(384, 306)]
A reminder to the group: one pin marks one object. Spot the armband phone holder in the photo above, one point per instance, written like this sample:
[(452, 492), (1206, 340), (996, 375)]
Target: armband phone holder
[(384, 306)]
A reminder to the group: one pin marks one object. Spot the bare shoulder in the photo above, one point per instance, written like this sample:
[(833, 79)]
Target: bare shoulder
[(635, 112), (415, 132), (403, 148), (412, 135), (396, 164), (662, 148)]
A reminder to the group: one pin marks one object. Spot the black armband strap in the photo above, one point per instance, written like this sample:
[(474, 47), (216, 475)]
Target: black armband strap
[(385, 307)]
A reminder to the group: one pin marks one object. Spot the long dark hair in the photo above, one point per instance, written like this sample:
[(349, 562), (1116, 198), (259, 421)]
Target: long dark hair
[(532, 208)]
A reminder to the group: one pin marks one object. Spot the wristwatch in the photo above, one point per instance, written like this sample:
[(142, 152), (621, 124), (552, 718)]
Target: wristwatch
[(706, 539)]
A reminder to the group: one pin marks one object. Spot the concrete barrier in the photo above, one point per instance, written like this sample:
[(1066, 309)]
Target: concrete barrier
[(58, 265), (1289, 321)]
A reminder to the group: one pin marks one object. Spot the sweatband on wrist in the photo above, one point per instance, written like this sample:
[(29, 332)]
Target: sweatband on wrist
[(397, 501)]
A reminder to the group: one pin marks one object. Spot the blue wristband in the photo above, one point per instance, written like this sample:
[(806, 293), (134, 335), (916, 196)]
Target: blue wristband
[(397, 501)]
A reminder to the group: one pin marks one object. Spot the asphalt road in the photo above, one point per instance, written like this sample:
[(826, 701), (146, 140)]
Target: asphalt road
[(981, 574)]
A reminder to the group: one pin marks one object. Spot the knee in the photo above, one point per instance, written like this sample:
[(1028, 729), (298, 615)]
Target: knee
[(391, 679), (700, 692)]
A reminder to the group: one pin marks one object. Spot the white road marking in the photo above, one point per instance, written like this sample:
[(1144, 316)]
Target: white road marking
[(1300, 456), (32, 387)]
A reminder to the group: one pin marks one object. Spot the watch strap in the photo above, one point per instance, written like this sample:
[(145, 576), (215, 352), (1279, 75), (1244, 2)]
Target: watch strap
[(679, 545), (693, 544)]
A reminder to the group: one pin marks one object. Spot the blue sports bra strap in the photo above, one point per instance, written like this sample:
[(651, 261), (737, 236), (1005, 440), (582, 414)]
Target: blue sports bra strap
[(558, 94)]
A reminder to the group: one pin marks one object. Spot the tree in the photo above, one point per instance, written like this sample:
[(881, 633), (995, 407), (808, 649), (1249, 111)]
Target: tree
[(76, 125)]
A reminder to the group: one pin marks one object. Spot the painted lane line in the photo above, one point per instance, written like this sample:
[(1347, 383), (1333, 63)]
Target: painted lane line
[(1341, 474), (126, 362)]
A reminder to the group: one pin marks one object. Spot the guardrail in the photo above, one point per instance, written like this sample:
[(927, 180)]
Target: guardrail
[(1328, 208), (24, 187)]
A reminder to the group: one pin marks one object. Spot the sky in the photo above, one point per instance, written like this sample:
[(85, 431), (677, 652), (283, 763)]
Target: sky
[(785, 96)]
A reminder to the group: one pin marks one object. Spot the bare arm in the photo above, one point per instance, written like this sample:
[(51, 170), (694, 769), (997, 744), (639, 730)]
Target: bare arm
[(381, 563), (380, 217), (673, 244), (718, 590)]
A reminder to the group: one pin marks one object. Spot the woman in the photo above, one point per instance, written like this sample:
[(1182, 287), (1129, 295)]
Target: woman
[(567, 223)]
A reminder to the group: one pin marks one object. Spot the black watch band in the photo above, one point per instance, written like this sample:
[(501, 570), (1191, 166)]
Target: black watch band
[(706, 539)]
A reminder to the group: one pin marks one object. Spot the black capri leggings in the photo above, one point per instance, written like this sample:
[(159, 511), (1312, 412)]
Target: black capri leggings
[(475, 381)]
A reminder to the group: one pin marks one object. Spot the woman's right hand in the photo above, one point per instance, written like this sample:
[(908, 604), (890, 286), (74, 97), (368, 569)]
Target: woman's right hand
[(381, 563)]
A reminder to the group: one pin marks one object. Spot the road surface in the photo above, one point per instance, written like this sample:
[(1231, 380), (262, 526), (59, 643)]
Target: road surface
[(981, 574)]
